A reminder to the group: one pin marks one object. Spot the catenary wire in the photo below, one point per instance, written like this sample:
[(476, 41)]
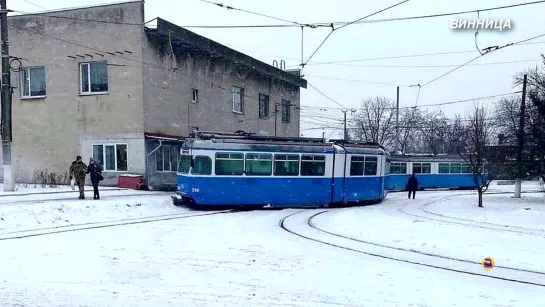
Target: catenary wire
[(347, 24)]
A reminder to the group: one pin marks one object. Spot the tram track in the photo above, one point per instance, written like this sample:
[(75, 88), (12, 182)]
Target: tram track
[(433, 260), (28, 233)]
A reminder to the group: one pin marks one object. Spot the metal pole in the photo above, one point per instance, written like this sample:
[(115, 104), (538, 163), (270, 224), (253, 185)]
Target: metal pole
[(275, 116), (397, 121), (6, 100), (518, 184)]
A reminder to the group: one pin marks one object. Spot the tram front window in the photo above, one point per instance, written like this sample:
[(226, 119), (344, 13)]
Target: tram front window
[(185, 164)]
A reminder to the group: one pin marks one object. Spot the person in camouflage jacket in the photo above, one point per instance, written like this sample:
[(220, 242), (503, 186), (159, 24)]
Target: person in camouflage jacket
[(78, 169)]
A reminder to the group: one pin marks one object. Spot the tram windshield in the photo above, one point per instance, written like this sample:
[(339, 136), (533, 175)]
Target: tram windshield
[(185, 164)]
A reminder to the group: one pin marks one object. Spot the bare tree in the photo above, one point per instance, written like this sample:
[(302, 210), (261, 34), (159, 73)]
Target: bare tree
[(409, 121), (434, 131), (375, 121), (473, 140)]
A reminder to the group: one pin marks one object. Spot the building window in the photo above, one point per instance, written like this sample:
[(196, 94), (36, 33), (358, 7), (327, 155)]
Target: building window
[(229, 164), (112, 157), (312, 165), (263, 106), (93, 77), (422, 168), (195, 96), (238, 100), (285, 111), (286, 165), (33, 82), (166, 158), (258, 164)]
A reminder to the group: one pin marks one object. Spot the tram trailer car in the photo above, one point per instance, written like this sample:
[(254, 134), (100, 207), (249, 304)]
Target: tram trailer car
[(233, 171), (433, 172)]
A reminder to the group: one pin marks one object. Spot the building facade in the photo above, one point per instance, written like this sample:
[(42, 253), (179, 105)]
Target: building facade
[(98, 82)]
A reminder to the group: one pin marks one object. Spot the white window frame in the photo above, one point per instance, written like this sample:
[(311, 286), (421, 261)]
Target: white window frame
[(115, 156), (195, 95), (241, 95), (23, 81), (81, 92)]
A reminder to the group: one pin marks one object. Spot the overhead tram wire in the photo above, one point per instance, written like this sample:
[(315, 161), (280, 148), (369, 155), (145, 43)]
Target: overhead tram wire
[(329, 24), (259, 14), (295, 24), (347, 24), (426, 105), (331, 99), (488, 51), (36, 5), (404, 56)]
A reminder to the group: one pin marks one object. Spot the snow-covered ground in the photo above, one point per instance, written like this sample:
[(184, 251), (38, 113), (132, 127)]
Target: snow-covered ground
[(246, 259)]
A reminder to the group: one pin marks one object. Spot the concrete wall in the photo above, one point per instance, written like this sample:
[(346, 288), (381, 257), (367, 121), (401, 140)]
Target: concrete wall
[(135, 153), (47, 131), (168, 94)]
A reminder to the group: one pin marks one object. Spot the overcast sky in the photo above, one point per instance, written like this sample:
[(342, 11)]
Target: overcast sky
[(364, 41)]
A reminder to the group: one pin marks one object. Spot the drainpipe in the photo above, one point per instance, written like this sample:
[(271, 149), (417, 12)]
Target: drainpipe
[(147, 160)]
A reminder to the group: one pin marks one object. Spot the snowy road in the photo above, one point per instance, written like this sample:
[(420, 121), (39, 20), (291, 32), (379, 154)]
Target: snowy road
[(246, 259)]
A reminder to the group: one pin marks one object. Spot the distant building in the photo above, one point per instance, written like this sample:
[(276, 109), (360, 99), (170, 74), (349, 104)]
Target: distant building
[(97, 82)]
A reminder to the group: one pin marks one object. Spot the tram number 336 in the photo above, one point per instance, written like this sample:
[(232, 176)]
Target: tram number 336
[(195, 190)]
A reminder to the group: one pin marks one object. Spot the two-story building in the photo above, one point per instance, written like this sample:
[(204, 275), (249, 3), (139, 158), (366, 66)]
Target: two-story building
[(100, 82)]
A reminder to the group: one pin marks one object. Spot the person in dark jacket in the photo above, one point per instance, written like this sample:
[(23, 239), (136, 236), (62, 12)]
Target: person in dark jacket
[(412, 185), (77, 170), (96, 176)]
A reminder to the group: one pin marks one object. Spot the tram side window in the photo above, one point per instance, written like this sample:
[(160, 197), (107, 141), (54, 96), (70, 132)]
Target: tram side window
[(466, 169), (229, 163), (312, 165), (387, 168), (185, 164), (398, 168), (258, 164), (422, 168), (371, 166), (286, 165), (455, 168), (357, 164), (202, 165), (444, 168)]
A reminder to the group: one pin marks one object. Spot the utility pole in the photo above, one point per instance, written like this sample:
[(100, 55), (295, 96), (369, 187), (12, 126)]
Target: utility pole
[(518, 182), (397, 121), (6, 100), (323, 134)]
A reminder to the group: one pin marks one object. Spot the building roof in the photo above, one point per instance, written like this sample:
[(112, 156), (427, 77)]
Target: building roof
[(196, 42)]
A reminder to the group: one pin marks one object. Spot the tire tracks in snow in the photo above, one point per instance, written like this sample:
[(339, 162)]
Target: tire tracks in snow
[(389, 252)]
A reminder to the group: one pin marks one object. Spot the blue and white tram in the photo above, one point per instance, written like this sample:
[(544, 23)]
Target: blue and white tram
[(225, 170), (433, 172)]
